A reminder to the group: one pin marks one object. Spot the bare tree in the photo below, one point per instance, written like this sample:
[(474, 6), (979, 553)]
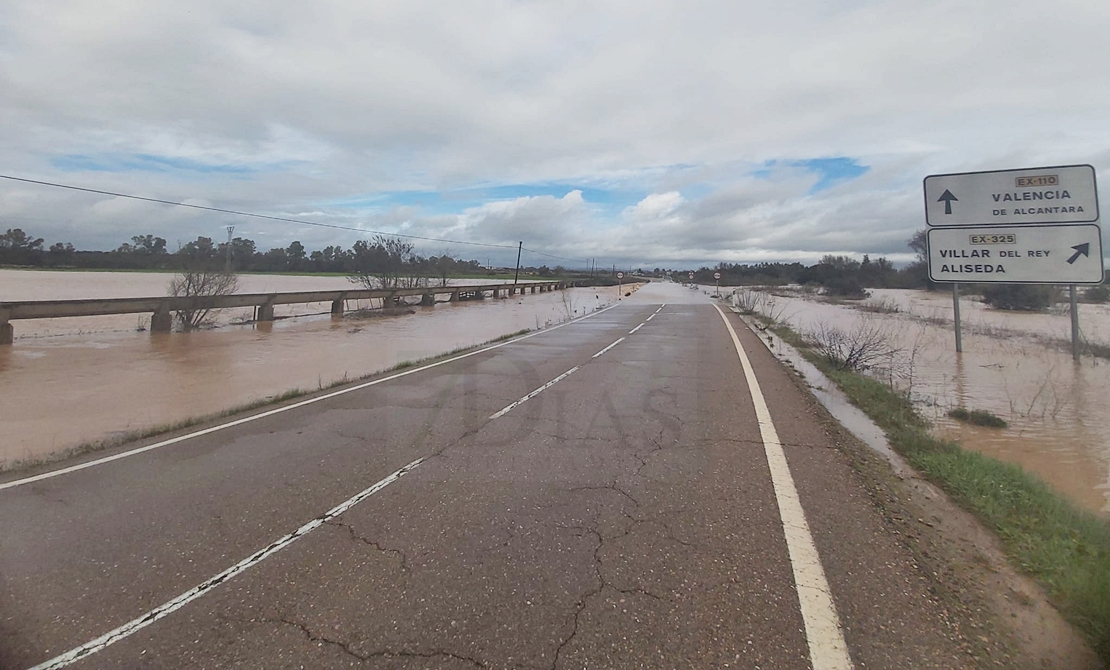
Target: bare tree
[(200, 284), (860, 348), (442, 265), (387, 262)]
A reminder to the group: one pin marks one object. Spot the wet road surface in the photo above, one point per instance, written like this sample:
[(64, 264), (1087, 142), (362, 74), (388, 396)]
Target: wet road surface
[(594, 495)]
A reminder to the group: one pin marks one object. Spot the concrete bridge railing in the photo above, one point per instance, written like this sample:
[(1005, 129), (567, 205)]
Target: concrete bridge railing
[(162, 308)]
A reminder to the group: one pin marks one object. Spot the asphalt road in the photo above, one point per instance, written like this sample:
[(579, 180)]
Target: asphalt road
[(624, 516)]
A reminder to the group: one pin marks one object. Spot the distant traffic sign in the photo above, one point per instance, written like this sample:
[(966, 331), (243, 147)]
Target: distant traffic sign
[(1033, 254), (716, 275), (691, 275), (620, 275), (1064, 194)]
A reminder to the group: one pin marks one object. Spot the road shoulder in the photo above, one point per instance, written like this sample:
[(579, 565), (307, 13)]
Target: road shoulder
[(999, 617)]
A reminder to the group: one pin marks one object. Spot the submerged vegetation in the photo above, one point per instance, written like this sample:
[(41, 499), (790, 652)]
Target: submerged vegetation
[(978, 417)]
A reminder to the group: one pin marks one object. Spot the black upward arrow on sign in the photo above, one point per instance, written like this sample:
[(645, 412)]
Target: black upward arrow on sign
[(947, 198)]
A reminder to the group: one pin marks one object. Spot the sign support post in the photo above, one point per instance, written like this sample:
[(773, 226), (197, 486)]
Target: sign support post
[(956, 316), (1074, 323)]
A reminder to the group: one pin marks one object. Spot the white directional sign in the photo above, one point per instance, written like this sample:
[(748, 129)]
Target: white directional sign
[(1065, 194), (1033, 254)]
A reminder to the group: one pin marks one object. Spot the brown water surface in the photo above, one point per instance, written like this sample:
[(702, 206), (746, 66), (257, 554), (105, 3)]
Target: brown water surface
[(1015, 365), (72, 381)]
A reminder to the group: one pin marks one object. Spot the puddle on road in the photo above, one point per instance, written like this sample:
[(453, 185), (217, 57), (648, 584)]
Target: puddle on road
[(63, 388), (1012, 366)]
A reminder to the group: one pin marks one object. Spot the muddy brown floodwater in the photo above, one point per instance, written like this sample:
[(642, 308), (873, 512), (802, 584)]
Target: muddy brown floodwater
[(78, 380), (1015, 365)]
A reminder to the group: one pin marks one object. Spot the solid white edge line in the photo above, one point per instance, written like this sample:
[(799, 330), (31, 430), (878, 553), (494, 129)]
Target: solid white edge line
[(113, 636), (533, 394), (636, 328), (607, 348), (181, 438), (827, 649)]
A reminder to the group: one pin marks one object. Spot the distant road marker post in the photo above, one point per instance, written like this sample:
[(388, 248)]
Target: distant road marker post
[(1019, 226)]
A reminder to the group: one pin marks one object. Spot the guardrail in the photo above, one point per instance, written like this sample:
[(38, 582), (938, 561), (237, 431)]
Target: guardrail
[(163, 307)]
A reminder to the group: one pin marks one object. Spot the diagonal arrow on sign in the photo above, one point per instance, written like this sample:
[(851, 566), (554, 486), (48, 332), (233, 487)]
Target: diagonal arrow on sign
[(1080, 250)]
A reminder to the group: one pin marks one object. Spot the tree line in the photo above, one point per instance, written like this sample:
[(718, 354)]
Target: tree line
[(150, 252)]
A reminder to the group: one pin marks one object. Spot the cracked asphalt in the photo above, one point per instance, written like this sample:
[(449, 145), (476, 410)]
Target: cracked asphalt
[(622, 518)]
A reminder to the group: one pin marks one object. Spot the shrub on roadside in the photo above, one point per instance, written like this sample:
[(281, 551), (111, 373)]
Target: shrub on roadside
[(1018, 297), (1097, 294)]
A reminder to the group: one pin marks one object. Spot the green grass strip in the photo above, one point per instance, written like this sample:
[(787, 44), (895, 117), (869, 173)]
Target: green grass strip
[(1066, 549)]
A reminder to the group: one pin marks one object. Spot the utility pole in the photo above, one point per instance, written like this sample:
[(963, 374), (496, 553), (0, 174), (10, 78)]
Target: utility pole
[(227, 263), (519, 248)]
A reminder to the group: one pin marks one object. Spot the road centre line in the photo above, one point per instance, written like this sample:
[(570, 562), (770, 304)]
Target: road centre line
[(327, 396), (827, 649), (533, 394), (113, 636), (610, 346), (650, 317)]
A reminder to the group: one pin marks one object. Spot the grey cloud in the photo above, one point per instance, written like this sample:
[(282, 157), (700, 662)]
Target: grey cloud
[(343, 99)]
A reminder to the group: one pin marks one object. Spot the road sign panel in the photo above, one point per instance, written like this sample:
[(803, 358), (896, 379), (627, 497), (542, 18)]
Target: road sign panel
[(620, 275), (691, 275), (1064, 194), (716, 275), (1044, 254)]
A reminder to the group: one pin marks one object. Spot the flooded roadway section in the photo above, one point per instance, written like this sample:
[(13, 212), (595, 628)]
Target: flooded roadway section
[(100, 378), (1015, 365)]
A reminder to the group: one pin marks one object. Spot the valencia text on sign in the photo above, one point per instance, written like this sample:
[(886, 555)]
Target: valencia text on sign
[(1064, 194)]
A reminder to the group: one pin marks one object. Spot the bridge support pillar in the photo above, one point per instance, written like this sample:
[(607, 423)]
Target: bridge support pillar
[(265, 312), (7, 333), (338, 307), (533, 289), (161, 321), (427, 300), (454, 295), (497, 293)]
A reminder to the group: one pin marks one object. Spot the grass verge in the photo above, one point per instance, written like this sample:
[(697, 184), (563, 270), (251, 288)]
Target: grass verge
[(1067, 550)]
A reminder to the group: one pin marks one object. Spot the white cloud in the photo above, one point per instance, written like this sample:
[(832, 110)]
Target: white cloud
[(675, 103)]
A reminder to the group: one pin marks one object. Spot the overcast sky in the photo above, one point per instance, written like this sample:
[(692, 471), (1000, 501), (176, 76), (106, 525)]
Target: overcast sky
[(638, 132)]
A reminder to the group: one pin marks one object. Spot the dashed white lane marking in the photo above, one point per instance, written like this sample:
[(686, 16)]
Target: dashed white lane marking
[(197, 591), (650, 317), (533, 394), (827, 649), (566, 374), (238, 422), (609, 347)]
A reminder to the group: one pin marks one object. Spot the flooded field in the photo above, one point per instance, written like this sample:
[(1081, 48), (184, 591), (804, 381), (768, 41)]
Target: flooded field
[(1015, 365), (72, 381)]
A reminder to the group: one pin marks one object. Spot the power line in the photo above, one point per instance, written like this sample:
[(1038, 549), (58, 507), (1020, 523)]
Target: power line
[(562, 258), (257, 216)]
